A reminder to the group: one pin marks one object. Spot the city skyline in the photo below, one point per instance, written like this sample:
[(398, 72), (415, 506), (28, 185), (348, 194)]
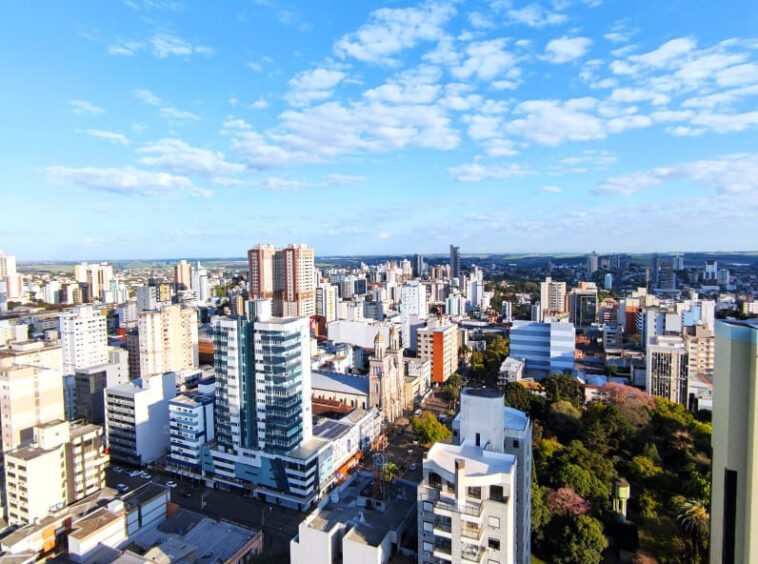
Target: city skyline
[(164, 129)]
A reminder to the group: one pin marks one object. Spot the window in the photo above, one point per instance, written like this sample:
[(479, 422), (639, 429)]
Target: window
[(494, 544), (515, 444), (428, 547), (478, 439), (435, 481), (496, 493), (475, 492), (493, 522), (428, 526)]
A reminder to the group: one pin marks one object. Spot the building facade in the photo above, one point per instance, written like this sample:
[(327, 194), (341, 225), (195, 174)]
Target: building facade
[(84, 338), (667, 373), (546, 347), (439, 345)]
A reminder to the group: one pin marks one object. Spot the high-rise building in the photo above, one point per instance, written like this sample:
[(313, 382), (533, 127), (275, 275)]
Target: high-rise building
[(710, 274), (667, 373), (466, 505), (191, 423), (167, 340), (666, 274), (455, 261), (506, 310), (592, 260), (63, 464), (263, 418), (326, 301), (136, 419), (200, 283), (183, 275), (734, 500), (9, 275), (418, 265), (94, 278), (90, 384), (84, 338), (287, 276), (700, 344), (29, 396), (483, 420), (412, 307), (547, 347), (440, 346), (552, 296), (583, 305)]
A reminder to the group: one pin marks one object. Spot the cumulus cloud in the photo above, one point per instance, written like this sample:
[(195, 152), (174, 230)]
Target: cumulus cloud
[(736, 174), (127, 181), (485, 60), (534, 15), (565, 49), (177, 156), (552, 122), (392, 30), (147, 97), (551, 189), (313, 85), (333, 179), (113, 137)]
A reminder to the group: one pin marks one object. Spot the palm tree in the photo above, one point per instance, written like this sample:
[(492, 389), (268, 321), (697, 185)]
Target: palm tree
[(390, 471), (694, 519)]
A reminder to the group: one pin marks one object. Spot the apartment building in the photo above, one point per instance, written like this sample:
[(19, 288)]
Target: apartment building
[(439, 345), (64, 463)]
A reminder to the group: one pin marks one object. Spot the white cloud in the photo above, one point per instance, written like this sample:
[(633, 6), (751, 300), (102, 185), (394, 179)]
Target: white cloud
[(667, 53), (392, 30), (633, 95), (82, 107), (552, 122), (736, 173), (259, 104), (274, 183), (500, 148), (476, 171), (414, 86), (127, 181), (333, 179), (162, 45), (552, 189), (173, 113), (113, 137), (565, 49), (480, 21), (535, 15), (313, 85), (179, 157), (147, 97), (593, 157), (486, 60), (483, 126)]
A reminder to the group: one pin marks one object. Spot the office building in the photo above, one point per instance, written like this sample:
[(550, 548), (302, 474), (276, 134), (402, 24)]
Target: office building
[(136, 419), (94, 279), (710, 273), (466, 505), (413, 308), (507, 311), (64, 463), (418, 265), (183, 275), (455, 261), (483, 419), (287, 276), (734, 499), (191, 424), (608, 281), (667, 369), (29, 396), (592, 263), (552, 296), (167, 340), (666, 275), (583, 305), (546, 347), (439, 345), (84, 338), (200, 283)]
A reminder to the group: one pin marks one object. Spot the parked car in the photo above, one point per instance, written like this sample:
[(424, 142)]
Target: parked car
[(122, 488), (134, 473), (171, 484), (145, 475), (117, 469)]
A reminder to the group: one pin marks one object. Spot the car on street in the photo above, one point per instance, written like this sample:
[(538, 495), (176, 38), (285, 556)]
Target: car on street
[(134, 473), (145, 475), (117, 469), (122, 488), (171, 484)]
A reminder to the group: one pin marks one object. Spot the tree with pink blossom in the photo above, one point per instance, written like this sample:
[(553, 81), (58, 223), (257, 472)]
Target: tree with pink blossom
[(565, 501)]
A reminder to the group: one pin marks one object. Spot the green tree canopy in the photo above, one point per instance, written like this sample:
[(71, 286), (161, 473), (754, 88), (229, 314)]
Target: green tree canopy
[(428, 430)]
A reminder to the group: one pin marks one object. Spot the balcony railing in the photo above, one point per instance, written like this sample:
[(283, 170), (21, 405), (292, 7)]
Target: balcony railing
[(474, 509)]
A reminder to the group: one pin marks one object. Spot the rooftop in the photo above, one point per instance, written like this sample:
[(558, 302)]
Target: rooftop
[(482, 392), (330, 429), (369, 526), (340, 383), (479, 462), (143, 494), (515, 419), (94, 522), (308, 448)]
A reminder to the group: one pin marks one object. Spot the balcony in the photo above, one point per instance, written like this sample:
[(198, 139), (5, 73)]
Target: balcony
[(472, 533), (443, 551), (467, 508), (442, 528), (472, 554)]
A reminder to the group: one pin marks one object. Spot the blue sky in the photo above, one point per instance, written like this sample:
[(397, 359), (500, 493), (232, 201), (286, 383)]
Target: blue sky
[(159, 128)]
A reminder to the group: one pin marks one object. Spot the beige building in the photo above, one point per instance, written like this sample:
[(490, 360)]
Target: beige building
[(29, 396), (386, 389), (552, 296), (439, 345), (42, 354), (285, 275), (700, 344), (734, 500), (183, 275), (84, 338), (167, 340), (64, 463), (666, 372)]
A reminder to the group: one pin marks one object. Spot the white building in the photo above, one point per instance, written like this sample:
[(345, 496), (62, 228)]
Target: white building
[(546, 347), (167, 340), (191, 425), (666, 369), (466, 508), (511, 370), (84, 338), (137, 418), (552, 296), (412, 305), (326, 301)]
